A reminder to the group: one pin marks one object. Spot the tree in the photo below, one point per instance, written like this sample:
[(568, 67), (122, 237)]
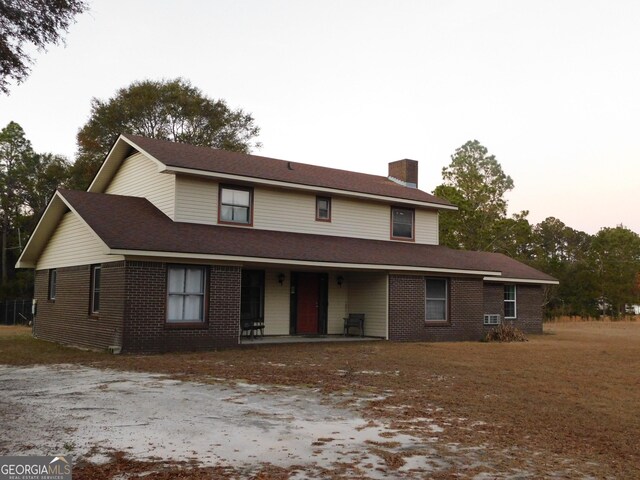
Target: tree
[(476, 183), (35, 22), (27, 181), (615, 262), (167, 109)]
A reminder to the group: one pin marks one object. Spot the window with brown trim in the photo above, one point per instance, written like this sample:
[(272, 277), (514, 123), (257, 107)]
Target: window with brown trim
[(186, 294), (402, 223), (94, 306), (53, 281), (436, 304), (235, 205), (323, 209)]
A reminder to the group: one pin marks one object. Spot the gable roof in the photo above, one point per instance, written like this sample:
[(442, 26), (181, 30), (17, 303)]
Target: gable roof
[(185, 158), (134, 226)]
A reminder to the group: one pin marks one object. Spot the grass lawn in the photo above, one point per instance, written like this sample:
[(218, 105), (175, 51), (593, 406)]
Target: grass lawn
[(565, 401)]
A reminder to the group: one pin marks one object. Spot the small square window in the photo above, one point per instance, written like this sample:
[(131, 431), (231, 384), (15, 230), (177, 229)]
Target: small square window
[(323, 209), (235, 205), (402, 223)]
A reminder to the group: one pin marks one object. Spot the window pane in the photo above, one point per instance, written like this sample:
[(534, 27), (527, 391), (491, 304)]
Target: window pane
[(226, 213), (509, 292), (192, 308), (436, 288), (175, 307), (402, 231), (96, 301), (241, 197), (436, 310), (176, 280), (194, 280), (509, 309), (402, 216), (227, 196), (240, 214)]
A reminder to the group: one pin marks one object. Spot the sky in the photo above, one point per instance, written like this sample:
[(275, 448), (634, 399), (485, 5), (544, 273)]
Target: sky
[(551, 88)]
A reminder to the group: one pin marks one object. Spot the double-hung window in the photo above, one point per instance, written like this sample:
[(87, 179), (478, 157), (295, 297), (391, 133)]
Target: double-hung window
[(186, 294), (436, 300), (53, 280), (402, 223), (235, 205), (510, 310), (323, 209), (94, 308)]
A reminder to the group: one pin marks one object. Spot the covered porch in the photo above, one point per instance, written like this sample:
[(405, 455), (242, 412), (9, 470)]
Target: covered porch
[(305, 305)]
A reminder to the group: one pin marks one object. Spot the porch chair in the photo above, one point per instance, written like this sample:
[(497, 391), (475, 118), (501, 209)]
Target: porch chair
[(354, 320), (252, 325)]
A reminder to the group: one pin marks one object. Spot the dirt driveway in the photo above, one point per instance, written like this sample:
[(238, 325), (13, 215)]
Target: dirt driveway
[(90, 412)]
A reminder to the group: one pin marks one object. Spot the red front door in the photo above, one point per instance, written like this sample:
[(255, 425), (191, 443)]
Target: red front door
[(308, 288)]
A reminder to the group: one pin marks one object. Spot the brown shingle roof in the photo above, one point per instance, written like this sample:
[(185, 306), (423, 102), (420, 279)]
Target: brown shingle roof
[(254, 166), (131, 223)]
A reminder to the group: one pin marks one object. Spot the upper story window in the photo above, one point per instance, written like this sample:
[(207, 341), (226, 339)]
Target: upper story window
[(436, 299), (323, 209), (185, 294), (510, 310), (402, 220), (53, 280), (95, 289), (236, 205)]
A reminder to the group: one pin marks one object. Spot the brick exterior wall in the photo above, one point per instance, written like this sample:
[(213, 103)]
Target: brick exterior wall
[(67, 320), (469, 300), (145, 328), (528, 305), (407, 310)]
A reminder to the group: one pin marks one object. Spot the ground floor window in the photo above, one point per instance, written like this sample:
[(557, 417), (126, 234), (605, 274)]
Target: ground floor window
[(53, 280), (185, 294), (95, 288), (510, 310), (252, 295), (436, 299)]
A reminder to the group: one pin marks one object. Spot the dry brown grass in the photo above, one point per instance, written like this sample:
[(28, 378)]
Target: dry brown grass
[(572, 393)]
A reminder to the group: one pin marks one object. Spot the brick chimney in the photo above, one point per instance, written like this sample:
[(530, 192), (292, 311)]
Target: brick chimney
[(404, 172)]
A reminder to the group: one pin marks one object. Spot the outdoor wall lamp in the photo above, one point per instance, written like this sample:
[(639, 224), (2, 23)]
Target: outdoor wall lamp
[(281, 278), (340, 280)]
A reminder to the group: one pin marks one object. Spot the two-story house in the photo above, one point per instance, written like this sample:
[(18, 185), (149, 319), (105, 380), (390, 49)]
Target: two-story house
[(172, 245)]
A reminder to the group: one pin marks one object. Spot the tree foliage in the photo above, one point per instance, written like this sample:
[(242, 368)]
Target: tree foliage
[(27, 181), (476, 183), (168, 109), (34, 22)]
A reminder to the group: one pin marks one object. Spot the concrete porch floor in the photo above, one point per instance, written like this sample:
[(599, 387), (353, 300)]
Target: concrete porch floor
[(276, 339)]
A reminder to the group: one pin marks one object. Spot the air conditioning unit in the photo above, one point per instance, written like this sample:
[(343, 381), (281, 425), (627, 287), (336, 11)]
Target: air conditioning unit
[(491, 319)]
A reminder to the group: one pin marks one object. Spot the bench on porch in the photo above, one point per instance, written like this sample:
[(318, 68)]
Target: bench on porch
[(251, 326), (354, 320)]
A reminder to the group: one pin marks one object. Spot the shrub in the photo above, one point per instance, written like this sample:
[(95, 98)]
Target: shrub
[(505, 332)]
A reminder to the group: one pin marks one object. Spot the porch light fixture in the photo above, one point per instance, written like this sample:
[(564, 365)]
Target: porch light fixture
[(340, 280), (281, 278)]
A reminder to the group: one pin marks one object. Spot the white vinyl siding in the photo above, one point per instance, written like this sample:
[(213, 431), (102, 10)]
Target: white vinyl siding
[(138, 176), (196, 200), (290, 211), (368, 294), (276, 302), (73, 243)]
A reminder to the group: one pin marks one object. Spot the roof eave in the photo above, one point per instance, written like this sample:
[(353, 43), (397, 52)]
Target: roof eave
[(521, 280)]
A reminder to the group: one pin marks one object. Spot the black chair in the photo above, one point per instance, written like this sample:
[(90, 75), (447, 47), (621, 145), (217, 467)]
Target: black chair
[(251, 326), (354, 320)]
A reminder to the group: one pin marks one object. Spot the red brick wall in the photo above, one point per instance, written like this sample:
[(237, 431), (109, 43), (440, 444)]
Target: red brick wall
[(407, 310), (145, 328), (67, 320), (528, 305)]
